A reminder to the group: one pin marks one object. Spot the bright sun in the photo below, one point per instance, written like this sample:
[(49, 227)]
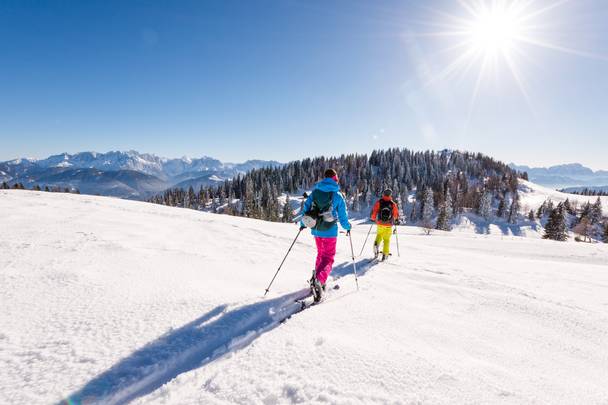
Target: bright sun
[(493, 36), (495, 30)]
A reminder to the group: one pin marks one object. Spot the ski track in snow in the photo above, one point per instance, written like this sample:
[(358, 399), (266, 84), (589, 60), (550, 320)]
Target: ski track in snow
[(111, 301), (195, 344)]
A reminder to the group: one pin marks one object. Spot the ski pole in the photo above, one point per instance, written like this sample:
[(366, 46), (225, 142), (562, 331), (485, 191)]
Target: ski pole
[(281, 265), (352, 252), (397, 239), (364, 243)]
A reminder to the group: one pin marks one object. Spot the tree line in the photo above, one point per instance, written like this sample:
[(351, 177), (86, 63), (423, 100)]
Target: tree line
[(429, 187), (52, 189), (586, 221), (587, 191)]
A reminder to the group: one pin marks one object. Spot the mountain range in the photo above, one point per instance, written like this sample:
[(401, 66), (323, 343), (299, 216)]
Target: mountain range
[(572, 175), (127, 174)]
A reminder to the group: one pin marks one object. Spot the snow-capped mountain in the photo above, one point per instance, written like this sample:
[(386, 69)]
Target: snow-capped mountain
[(563, 176), (127, 174)]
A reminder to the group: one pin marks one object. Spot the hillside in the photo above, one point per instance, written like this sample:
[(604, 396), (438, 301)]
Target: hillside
[(107, 301), (533, 196)]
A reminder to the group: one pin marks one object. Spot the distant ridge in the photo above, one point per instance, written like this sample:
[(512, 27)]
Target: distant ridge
[(126, 174), (564, 176)]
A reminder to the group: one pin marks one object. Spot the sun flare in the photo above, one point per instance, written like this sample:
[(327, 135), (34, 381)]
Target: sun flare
[(487, 39), (495, 30)]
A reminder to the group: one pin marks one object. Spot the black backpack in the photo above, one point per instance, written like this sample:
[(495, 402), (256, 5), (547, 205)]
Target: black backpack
[(321, 209), (385, 213)]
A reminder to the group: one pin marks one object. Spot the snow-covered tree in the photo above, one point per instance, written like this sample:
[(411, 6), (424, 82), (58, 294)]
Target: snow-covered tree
[(427, 208), (541, 210), (485, 205), (449, 211), (556, 225), (287, 211), (443, 223), (414, 213), (596, 212), (502, 208), (568, 207), (514, 209)]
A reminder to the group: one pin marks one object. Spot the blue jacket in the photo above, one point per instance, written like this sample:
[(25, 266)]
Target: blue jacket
[(338, 210)]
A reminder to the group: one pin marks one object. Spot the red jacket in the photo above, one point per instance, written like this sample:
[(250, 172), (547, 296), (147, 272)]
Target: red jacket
[(377, 208)]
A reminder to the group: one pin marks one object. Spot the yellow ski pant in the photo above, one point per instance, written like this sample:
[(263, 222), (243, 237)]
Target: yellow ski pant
[(383, 234)]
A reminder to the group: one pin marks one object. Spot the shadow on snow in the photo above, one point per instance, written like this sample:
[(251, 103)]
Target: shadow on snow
[(194, 345)]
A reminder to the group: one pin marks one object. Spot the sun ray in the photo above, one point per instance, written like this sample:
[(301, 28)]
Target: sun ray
[(482, 71), (555, 47), (496, 36)]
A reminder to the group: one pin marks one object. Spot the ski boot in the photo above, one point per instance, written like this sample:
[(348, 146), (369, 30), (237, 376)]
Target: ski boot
[(316, 288), (376, 251)]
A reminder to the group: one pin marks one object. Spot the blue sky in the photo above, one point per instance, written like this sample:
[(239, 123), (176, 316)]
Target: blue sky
[(290, 79)]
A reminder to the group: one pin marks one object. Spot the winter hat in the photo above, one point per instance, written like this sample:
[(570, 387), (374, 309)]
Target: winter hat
[(388, 192), (332, 174)]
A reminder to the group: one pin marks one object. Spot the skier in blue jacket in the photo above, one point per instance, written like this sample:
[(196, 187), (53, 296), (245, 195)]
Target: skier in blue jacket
[(322, 211)]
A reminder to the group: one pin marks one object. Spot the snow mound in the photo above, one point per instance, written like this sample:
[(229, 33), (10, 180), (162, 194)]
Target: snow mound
[(112, 301)]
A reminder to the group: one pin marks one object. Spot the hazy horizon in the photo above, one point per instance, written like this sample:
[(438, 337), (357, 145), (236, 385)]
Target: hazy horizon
[(161, 155)]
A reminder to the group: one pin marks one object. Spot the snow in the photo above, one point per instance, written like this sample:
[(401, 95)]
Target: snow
[(533, 195), (215, 178), (109, 301)]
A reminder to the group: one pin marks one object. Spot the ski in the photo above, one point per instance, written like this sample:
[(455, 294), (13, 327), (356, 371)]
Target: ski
[(306, 302)]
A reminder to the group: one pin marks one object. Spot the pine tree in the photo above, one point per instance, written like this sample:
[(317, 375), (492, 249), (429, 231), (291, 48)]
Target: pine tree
[(606, 232), (443, 223), (191, 198), (5, 185), (502, 208), (414, 213), (485, 205), (596, 212), (403, 201), (585, 212), (531, 216), (449, 212), (568, 207), (427, 208), (556, 225), (287, 211), (513, 211), (541, 210)]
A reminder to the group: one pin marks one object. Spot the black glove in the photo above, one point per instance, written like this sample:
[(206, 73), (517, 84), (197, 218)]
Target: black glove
[(302, 227), (348, 233), (397, 222)]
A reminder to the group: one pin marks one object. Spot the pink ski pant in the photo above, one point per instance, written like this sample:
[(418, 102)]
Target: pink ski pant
[(326, 250)]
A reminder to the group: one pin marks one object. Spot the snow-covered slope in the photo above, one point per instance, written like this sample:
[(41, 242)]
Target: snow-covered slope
[(110, 300), (533, 195)]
